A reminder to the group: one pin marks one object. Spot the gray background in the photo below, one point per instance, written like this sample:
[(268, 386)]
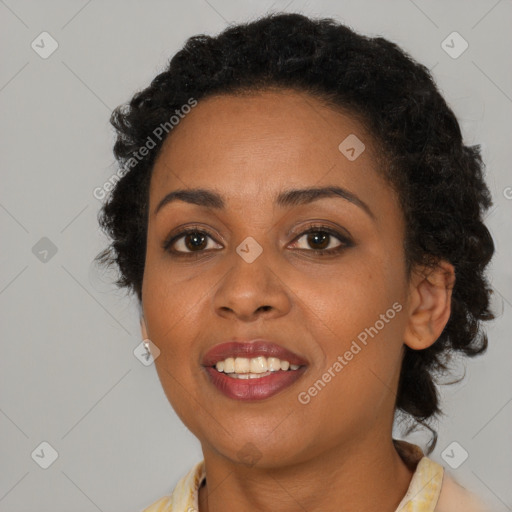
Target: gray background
[(68, 375)]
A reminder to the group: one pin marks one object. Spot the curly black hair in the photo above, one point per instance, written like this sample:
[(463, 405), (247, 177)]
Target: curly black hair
[(439, 180)]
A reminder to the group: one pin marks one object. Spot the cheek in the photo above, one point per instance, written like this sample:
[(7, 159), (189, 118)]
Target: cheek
[(358, 316), (354, 383), (168, 310), (171, 318), (169, 291), (351, 300)]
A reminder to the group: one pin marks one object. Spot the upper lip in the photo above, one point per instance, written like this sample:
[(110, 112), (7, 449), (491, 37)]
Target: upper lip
[(250, 349)]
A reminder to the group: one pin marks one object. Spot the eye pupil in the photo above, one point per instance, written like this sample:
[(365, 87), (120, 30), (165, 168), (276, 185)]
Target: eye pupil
[(314, 237), (195, 244)]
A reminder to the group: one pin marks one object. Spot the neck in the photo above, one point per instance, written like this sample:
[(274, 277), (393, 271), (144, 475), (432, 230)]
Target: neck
[(367, 474)]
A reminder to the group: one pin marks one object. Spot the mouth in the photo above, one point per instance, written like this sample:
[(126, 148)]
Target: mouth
[(253, 370)]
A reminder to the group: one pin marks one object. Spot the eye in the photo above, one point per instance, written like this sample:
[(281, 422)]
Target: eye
[(320, 238), (187, 242)]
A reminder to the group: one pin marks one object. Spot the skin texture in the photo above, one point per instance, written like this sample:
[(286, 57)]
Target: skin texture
[(336, 452)]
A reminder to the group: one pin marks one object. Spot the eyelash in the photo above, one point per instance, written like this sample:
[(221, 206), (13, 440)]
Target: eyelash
[(312, 228)]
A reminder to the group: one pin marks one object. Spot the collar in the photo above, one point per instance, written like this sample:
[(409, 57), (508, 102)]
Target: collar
[(422, 494)]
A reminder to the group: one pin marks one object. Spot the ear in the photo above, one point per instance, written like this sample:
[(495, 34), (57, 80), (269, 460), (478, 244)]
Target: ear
[(143, 329), (430, 296)]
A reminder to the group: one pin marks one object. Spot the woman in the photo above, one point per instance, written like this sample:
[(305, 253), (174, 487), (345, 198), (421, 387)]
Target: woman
[(302, 225)]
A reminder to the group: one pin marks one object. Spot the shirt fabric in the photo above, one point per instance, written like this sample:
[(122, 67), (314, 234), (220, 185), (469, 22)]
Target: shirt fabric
[(430, 490)]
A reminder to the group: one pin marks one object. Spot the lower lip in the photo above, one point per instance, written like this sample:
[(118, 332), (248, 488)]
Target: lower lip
[(254, 389)]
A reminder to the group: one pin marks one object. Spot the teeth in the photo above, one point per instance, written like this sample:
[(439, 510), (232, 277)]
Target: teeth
[(247, 375), (258, 365), (242, 365), (274, 364), (255, 367), (229, 365)]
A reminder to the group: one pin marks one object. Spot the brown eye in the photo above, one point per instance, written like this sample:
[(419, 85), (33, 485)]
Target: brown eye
[(193, 241), (187, 242), (320, 240)]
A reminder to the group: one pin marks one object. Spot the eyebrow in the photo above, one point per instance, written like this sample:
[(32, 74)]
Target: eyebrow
[(288, 198)]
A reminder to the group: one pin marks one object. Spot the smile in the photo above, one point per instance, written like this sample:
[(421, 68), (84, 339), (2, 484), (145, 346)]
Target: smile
[(252, 378), (250, 387)]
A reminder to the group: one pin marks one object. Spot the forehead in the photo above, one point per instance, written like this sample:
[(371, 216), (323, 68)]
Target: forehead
[(251, 143)]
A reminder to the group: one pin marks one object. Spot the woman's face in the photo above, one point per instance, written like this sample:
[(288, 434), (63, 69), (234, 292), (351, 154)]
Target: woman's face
[(251, 273)]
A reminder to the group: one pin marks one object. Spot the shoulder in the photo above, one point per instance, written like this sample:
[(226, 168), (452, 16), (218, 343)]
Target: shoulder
[(161, 505), (432, 488), (184, 496), (454, 498)]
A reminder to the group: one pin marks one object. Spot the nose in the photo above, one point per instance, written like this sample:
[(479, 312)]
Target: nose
[(251, 290)]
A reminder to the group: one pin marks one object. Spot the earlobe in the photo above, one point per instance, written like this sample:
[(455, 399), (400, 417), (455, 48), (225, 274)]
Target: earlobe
[(143, 329), (430, 297)]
